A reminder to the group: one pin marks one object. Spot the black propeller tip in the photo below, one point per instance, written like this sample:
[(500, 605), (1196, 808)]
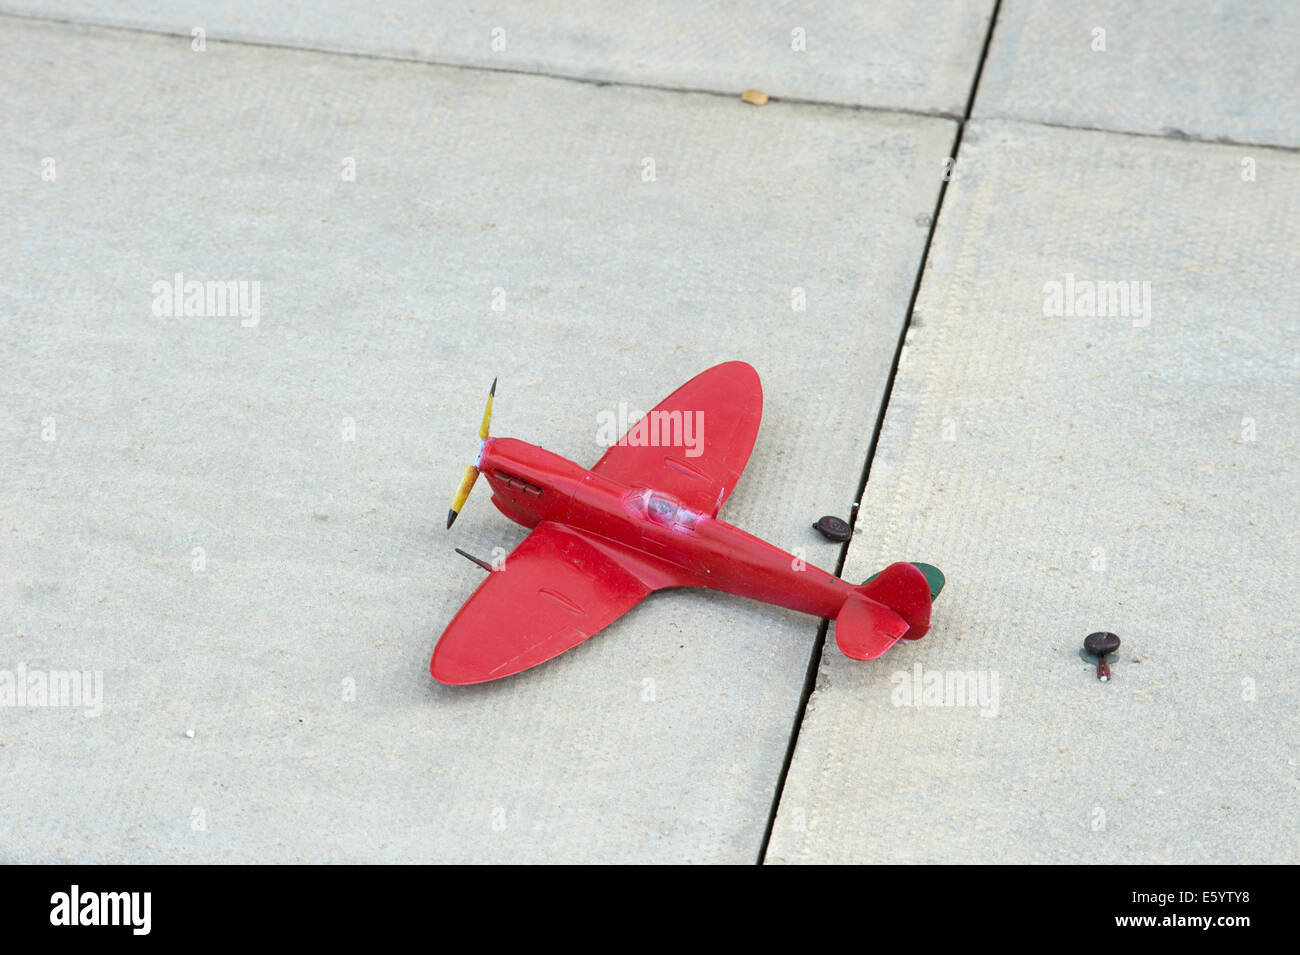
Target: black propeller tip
[(451, 518), (482, 563), (492, 392)]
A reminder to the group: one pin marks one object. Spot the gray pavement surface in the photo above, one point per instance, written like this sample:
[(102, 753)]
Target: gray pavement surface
[(917, 55), (306, 462), (236, 520), (1074, 473), (1198, 68)]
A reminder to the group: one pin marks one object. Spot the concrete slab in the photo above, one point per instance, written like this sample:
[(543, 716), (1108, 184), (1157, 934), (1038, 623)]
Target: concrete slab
[(1195, 68), (903, 54), (239, 525), (1072, 474)]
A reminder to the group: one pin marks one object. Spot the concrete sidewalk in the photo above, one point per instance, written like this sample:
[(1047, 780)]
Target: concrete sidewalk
[(236, 519), (1178, 68), (307, 461), (916, 55), (1133, 472)]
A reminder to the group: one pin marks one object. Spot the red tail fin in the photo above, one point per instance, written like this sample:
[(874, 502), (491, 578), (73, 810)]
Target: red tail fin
[(893, 605), (903, 589)]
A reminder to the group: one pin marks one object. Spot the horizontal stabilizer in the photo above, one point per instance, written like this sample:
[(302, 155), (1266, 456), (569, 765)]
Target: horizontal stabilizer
[(865, 629)]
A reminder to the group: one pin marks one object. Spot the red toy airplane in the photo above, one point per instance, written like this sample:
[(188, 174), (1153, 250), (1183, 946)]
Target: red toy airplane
[(645, 518)]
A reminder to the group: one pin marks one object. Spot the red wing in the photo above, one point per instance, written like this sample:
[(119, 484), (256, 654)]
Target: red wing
[(698, 458), (553, 592)]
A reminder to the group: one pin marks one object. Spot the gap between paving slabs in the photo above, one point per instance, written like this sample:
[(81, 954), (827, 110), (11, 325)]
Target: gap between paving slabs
[(814, 663)]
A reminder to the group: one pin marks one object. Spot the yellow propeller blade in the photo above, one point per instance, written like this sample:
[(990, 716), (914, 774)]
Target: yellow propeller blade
[(487, 413), (471, 472), (466, 483)]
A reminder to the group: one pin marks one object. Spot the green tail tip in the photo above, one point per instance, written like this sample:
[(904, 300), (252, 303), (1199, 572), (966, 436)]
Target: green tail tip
[(933, 576)]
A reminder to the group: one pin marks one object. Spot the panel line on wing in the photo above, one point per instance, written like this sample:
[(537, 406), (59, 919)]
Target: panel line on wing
[(555, 597), (682, 467)]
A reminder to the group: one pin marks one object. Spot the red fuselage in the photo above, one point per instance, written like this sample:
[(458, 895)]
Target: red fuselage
[(531, 485)]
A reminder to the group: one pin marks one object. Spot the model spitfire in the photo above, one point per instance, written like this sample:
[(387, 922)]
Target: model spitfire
[(645, 518)]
